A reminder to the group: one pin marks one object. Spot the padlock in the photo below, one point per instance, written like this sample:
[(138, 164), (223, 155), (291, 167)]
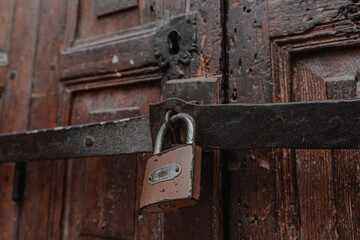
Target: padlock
[(172, 176)]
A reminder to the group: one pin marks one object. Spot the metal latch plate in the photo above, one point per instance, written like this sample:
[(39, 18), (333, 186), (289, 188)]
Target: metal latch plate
[(165, 173)]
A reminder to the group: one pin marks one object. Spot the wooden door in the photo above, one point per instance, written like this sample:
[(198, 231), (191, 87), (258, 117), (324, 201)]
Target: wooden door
[(74, 62), (283, 51)]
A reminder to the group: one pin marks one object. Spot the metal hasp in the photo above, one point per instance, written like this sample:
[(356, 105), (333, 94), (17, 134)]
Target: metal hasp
[(307, 125), (174, 41)]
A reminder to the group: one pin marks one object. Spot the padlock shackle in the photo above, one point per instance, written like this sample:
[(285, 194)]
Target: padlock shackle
[(180, 117)]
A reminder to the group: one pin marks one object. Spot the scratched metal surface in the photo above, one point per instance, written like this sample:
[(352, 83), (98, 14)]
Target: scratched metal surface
[(100, 139), (316, 125)]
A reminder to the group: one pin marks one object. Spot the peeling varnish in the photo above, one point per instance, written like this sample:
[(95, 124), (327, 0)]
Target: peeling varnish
[(264, 164), (115, 59)]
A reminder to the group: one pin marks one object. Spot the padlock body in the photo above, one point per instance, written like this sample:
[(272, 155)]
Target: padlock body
[(172, 179)]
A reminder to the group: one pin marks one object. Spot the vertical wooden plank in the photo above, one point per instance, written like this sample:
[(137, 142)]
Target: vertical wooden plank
[(44, 181), (313, 167), (346, 170), (252, 184), (8, 209), (316, 75), (248, 52), (16, 95), (316, 196), (209, 57), (287, 209), (21, 27), (251, 207), (347, 189)]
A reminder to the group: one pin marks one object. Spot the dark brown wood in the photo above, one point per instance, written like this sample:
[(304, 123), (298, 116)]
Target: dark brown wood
[(41, 186), (18, 40), (107, 52), (80, 65), (7, 207), (95, 106), (345, 168), (187, 89), (300, 75), (270, 51), (303, 64), (316, 180), (251, 200)]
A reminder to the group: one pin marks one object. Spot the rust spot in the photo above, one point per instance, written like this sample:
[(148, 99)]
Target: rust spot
[(235, 4)]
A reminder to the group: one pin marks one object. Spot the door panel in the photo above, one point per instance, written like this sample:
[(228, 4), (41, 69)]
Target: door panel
[(84, 61), (282, 51), (109, 70), (103, 17), (326, 184), (102, 192), (312, 66)]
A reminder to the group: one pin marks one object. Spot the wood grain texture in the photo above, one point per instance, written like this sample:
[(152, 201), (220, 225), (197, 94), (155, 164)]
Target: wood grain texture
[(8, 208), (346, 164), (287, 209), (134, 46), (321, 174), (287, 17), (252, 201), (108, 67), (99, 188), (94, 17), (44, 181), (19, 42), (320, 28), (248, 52), (208, 59)]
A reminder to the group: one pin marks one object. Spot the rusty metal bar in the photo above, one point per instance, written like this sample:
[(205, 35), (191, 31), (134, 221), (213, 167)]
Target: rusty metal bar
[(100, 139), (316, 125)]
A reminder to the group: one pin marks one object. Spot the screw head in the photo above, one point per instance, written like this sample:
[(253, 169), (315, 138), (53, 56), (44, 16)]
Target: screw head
[(89, 141)]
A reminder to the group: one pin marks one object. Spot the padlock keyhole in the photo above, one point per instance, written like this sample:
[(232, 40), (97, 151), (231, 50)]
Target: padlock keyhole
[(173, 41)]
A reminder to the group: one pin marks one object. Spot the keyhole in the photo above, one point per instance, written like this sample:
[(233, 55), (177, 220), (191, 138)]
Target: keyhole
[(173, 41)]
